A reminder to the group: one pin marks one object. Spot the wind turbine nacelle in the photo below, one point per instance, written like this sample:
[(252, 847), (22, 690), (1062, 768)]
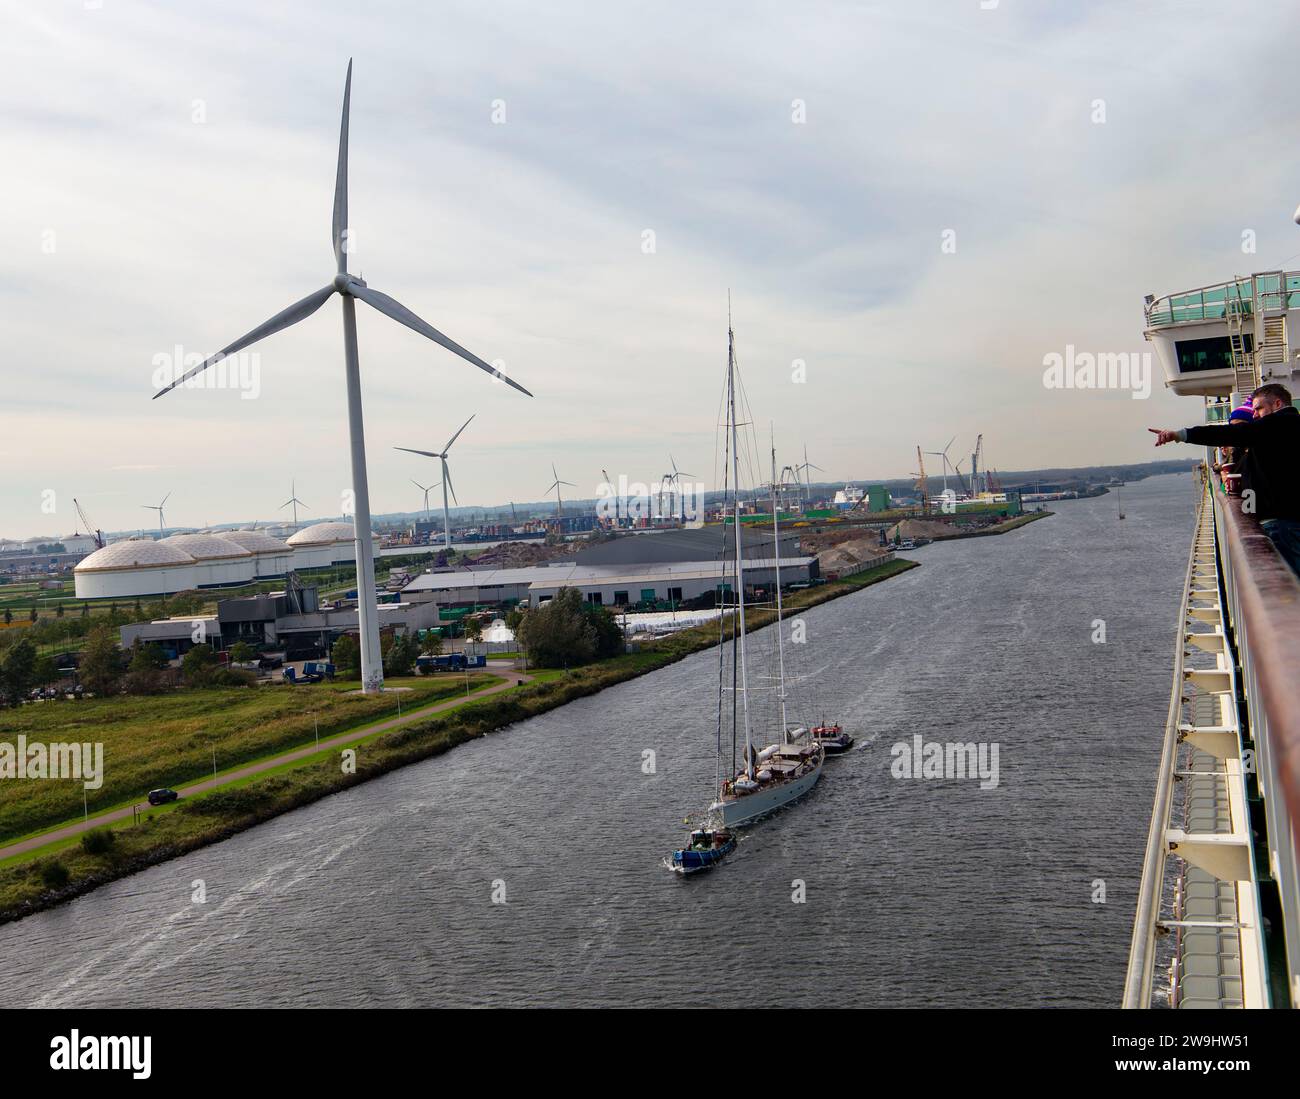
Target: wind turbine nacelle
[(343, 282)]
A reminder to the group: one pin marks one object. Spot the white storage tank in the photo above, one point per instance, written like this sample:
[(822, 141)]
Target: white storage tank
[(135, 566), (272, 558), (324, 544), (219, 562)]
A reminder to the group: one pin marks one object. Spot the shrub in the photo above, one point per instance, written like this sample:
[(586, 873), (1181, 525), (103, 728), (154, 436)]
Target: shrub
[(98, 841), (54, 874)]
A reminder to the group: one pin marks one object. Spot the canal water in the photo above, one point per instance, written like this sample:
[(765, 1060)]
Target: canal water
[(526, 868)]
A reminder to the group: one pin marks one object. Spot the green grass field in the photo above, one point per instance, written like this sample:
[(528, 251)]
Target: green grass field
[(169, 739)]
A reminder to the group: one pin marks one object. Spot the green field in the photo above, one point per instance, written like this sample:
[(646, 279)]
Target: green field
[(168, 740)]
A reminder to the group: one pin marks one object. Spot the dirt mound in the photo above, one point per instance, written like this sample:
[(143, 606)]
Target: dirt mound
[(850, 553), (520, 555), (920, 528)]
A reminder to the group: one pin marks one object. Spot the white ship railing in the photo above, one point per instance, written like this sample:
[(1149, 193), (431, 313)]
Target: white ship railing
[(1263, 603), (1269, 290), (1142, 950), (1259, 612)]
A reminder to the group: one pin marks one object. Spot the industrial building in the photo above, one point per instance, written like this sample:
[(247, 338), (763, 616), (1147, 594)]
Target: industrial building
[(209, 559), (675, 566), (292, 621)]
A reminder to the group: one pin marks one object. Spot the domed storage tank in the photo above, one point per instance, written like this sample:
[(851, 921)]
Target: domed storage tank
[(324, 544), (272, 558), (135, 566), (219, 562)]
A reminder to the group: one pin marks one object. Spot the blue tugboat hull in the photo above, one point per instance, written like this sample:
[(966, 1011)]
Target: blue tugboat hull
[(689, 861)]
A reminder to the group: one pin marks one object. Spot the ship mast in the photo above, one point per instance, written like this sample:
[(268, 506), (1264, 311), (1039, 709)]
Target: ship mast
[(780, 643), (750, 761)]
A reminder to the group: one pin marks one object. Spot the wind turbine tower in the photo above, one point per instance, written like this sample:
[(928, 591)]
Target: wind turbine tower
[(350, 289)]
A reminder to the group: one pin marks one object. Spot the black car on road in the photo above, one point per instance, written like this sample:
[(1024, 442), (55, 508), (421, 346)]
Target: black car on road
[(162, 797)]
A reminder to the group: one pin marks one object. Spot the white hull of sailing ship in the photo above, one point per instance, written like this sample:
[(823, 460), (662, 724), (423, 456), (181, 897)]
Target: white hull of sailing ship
[(736, 809)]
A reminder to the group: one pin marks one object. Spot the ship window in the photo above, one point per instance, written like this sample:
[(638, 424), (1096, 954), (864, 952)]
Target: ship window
[(1214, 353)]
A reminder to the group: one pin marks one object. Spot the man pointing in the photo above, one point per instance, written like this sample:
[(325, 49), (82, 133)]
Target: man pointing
[(1272, 442)]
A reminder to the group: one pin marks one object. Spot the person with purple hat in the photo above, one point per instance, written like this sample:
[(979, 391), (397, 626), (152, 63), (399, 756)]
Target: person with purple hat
[(1269, 460), (1232, 459)]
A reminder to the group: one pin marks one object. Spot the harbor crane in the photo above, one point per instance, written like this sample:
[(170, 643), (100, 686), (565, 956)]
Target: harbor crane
[(922, 483), (976, 487), (96, 534)]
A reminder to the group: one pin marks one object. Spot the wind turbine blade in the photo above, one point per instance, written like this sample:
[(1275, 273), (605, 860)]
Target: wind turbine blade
[(299, 310), (391, 307), (450, 487), (341, 179), (426, 453), (569, 483), (285, 504), (417, 484), (457, 435), (165, 499)]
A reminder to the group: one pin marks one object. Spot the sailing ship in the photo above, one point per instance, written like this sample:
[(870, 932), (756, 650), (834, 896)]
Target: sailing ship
[(769, 777), (779, 773)]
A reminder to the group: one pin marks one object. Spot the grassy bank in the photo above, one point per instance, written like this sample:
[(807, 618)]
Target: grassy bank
[(32, 885), (172, 738)]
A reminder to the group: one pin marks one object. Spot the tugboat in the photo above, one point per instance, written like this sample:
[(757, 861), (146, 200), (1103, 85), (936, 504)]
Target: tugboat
[(831, 737), (705, 847)]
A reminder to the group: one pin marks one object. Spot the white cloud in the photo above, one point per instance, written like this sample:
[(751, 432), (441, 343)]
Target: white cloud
[(523, 241)]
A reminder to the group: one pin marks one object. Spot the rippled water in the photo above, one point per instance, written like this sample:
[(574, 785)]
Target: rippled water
[(927, 892)]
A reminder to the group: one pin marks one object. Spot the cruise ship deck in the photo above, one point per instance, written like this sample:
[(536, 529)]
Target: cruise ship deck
[(1217, 911)]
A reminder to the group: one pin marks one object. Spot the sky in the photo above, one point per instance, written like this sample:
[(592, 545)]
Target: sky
[(911, 205)]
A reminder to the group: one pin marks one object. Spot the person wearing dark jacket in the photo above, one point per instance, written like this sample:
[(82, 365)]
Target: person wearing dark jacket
[(1271, 467)]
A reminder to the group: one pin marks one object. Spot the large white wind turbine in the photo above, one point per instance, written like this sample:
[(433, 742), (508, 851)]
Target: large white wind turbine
[(293, 499), (441, 455), (159, 509), (556, 485), (350, 288)]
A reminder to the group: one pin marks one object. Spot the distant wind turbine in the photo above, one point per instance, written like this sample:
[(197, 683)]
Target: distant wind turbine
[(806, 469), (605, 473), (441, 455), (675, 479), (159, 509), (426, 489), (556, 485), (293, 499), (946, 464), (350, 288)]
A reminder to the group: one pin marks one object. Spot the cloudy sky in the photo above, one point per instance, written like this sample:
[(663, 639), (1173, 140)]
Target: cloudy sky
[(168, 180)]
